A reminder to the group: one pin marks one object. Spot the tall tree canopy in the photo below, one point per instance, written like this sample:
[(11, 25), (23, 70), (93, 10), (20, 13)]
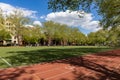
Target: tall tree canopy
[(4, 34), (2, 19), (18, 21), (108, 9)]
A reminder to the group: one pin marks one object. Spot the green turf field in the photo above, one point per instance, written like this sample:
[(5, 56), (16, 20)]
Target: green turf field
[(18, 56)]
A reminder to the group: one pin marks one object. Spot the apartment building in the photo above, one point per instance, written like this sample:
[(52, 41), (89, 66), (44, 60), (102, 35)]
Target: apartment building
[(11, 28)]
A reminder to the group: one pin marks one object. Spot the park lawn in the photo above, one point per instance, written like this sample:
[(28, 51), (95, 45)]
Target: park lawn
[(19, 56)]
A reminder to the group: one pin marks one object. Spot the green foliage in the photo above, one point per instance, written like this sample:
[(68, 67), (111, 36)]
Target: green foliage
[(57, 5), (108, 9), (105, 37), (113, 38), (98, 38), (63, 34), (49, 28), (31, 35), (4, 35), (2, 20), (91, 38), (18, 20), (76, 37)]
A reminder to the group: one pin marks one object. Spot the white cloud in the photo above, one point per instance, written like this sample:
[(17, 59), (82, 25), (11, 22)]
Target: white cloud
[(42, 17), (37, 23), (72, 19), (8, 9)]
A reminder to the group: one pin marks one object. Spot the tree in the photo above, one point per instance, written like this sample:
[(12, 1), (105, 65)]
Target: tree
[(2, 19), (31, 35), (91, 38), (4, 35), (76, 37), (101, 37), (18, 21), (64, 34), (58, 5), (49, 30), (58, 34), (113, 38), (108, 9), (98, 38)]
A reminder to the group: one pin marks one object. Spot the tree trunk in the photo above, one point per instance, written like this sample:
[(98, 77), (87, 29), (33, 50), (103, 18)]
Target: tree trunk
[(19, 40), (64, 42), (61, 43), (49, 41)]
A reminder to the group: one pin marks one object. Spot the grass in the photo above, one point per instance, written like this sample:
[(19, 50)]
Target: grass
[(19, 56)]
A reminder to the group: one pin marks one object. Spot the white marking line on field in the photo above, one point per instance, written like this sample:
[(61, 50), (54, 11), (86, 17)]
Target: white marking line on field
[(5, 61), (67, 67)]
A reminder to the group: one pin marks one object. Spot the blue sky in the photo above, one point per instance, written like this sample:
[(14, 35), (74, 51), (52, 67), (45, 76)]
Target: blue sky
[(40, 10), (36, 5)]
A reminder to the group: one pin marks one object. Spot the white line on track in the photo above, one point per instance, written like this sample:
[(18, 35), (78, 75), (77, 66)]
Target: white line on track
[(57, 75), (69, 68)]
